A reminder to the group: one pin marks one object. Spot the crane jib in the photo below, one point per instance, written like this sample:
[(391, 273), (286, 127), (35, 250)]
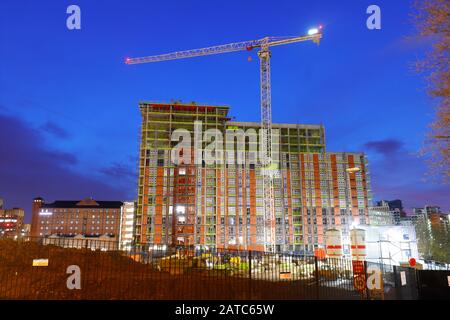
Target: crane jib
[(231, 47)]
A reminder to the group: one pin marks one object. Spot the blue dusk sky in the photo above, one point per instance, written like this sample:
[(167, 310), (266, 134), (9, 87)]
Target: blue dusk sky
[(69, 117)]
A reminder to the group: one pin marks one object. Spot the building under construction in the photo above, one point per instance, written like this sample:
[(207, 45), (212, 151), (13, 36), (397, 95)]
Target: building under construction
[(220, 205)]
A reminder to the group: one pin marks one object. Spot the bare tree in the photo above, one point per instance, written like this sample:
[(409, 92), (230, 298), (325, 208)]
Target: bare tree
[(432, 18)]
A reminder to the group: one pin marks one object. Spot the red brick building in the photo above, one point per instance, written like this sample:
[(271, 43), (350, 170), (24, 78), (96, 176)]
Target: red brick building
[(88, 218)]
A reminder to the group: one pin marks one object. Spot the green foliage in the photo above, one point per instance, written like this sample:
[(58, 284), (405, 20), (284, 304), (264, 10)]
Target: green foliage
[(433, 241)]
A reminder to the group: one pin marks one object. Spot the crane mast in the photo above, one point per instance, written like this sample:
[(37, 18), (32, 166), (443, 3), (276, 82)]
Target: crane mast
[(266, 144)]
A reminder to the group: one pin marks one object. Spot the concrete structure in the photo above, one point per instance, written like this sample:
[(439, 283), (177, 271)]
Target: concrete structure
[(86, 218), (220, 205), (391, 245), (11, 222), (127, 224)]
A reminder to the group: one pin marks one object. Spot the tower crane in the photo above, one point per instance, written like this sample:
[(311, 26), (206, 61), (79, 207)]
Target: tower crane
[(264, 55)]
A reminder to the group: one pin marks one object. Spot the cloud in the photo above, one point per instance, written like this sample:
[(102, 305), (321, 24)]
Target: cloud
[(385, 147), (119, 170), (28, 168), (55, 130), (401, 174)]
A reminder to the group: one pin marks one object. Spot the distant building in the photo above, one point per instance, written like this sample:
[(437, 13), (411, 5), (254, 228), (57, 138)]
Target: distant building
[(434, 217), (127, 225), (433, 231), (1, 203), (87, 218), (381, 215), (11, 222), (37, 203), (395, 208)]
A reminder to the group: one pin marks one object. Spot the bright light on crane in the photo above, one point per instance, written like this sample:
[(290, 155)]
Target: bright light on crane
[(313, 31)]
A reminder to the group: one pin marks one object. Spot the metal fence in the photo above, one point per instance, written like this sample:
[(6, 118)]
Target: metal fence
[(405, 283), (159, 272), (436, 265)]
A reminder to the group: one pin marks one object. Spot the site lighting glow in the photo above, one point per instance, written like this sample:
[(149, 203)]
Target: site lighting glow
[(313, 31), (353, 170)]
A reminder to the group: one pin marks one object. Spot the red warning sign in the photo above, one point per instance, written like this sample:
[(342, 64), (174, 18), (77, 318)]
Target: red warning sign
[(358, 267)]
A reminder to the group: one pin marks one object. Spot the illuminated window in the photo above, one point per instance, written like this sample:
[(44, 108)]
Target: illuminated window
[(180, 209)]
